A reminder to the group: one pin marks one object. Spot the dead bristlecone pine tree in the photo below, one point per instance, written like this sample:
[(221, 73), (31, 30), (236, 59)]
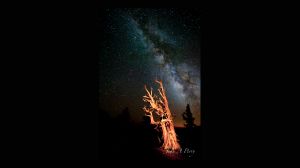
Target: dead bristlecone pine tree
[(159, 106)]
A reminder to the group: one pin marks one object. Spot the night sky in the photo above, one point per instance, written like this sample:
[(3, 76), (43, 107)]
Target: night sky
[(140, 45)]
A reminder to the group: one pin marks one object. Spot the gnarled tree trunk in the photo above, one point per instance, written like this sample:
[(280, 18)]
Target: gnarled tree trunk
[(161, 107)]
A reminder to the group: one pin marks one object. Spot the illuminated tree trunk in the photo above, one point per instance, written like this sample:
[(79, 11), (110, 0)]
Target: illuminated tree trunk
[(160, 107)]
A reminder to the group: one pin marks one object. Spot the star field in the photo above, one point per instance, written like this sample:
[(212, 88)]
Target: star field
[(141, 45)]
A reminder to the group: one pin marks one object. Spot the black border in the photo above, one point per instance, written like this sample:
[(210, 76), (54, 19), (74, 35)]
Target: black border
[(56, 116)]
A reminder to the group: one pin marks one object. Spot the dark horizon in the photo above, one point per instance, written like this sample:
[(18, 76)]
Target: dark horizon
[(115, 114)]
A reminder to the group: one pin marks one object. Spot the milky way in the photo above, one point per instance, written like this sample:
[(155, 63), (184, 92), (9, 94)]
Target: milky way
[(162, 46)]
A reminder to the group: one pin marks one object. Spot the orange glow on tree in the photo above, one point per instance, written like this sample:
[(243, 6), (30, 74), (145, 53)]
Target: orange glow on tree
[(160, 106)]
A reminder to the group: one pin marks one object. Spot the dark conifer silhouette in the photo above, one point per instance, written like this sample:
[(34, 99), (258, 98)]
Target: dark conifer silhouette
[(188, 117), (125, 116)]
